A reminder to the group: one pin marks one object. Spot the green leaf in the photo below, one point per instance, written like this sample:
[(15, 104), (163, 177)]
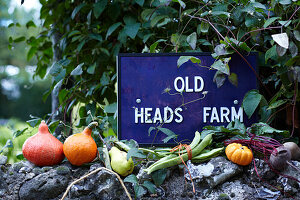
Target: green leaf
[(140, 2), (183, 59), (192, 40), (139, 190), (77, 9), (30, 24), (276, 104), (263, 129), (72, 33), (166, 131), (159, 176), (251, 102), (285, 2), (19, 132), (95, 37), (297, 35), (158, 18), (154, 45), (91, 68), (293, 49), (112, 28), (111, 108), (99, 8), (280, 50), (34, 122), (81, 44), (221, 66), (204, 27), (19, 39), (270, 21), (131, 179), (219, 79), (20, 156), (182, 4), (78, 70), (233, 79), (53, 125), (105, 79), (134, 152), (150, 186), (271, 54), (132, 29), (151, 128), (31, 53)]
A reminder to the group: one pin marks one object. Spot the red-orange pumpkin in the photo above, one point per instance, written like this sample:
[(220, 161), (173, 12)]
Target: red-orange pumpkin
[(43, 149)]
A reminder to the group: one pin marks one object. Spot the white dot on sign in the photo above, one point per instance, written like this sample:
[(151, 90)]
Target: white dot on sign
[(235, 102), (138, 100)]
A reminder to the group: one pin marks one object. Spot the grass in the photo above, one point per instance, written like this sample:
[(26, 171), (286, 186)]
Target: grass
[(6, 133)]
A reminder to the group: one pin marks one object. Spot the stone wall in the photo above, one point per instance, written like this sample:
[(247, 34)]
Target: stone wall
[(216, 179)]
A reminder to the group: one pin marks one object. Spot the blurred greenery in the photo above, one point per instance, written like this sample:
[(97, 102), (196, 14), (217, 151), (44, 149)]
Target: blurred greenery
[(6, 132)]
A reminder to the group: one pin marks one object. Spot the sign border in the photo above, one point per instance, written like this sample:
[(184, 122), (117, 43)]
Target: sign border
[(118, 57)]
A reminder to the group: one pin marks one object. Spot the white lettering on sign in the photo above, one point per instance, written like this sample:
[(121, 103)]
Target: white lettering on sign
[(144, 115), (181, 84), (222, 115)]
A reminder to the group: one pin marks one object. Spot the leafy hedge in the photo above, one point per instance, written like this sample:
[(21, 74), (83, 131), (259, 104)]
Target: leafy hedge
[(87, 36)]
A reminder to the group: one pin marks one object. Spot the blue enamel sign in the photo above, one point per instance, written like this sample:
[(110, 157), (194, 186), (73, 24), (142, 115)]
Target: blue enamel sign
[(154, 93)]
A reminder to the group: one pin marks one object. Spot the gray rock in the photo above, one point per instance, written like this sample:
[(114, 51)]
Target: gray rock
[(62, 170), (3, 160), (290, 185), (25, 170), (215, 172), (107, 187), (50, 184), (262, 169), (3, 185)]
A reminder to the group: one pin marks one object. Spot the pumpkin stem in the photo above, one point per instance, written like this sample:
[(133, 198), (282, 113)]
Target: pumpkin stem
[(92, 125), (43, 128)]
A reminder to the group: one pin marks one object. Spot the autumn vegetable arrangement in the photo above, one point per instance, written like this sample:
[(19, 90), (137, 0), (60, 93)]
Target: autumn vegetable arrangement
[(241, 146)]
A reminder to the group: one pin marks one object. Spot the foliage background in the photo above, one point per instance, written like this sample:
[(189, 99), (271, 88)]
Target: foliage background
[(79, 41)]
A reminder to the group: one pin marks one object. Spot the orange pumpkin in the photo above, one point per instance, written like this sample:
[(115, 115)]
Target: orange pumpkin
[(239, 154), (81, 148), (43, 149)]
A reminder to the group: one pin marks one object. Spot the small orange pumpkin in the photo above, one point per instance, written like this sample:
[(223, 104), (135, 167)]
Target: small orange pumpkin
[(81, 148), (239, 154)]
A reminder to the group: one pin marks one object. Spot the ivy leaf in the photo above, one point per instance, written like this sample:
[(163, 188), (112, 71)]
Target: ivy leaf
[(297, 35), (111, 108), (105, 79), (293, 49), (150, 186), (182, 4), (91, 68), (159, 176), (34, 122), (192, 40), (99, 8), (131, 179), (166, 131), (251, 102), (112, 28), (221, 66), (220, 50), (271, 53), (140, 2), (30, 24), (77, 9), (280, 50), (183, 59), (78, 70), (154, 45), (151, 128), (139, 190), (204, 27), (19, 132), (233, 79), (219, 79), (132, 29), (282, 39), (134, 152), (276, 104), (270, 21)]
